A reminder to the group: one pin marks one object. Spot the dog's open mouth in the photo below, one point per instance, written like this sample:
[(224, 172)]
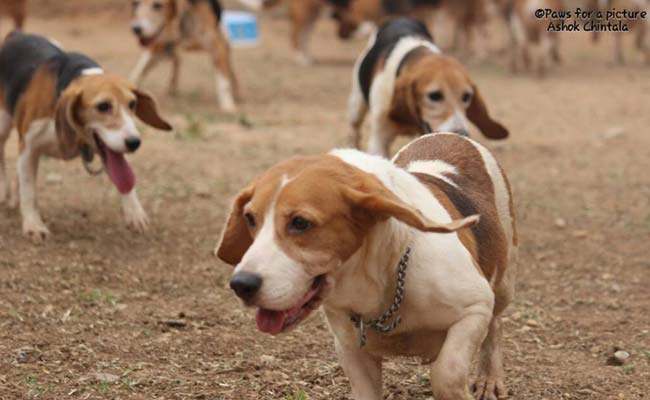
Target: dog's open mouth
[(118, 169), (276, 322), (145, 41)]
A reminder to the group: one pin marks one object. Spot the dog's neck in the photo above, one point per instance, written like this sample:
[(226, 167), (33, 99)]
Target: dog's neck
[(365, 284)]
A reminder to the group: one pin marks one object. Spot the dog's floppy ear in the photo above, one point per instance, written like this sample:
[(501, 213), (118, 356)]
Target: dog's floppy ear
[(379, 201), (404, 105), (236, 238), (147, 111), (477, 113), (66, 119)]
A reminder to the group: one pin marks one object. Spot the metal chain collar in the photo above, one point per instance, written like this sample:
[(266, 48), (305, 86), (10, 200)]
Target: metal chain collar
[(379, 324)]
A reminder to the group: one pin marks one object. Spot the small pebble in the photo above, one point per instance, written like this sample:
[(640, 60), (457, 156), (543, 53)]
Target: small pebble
[(619, 358)]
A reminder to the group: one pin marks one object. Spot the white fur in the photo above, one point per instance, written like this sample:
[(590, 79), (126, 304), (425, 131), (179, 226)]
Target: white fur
[(381, 90), (455, 123), (224, 92), (5, 130), (92, 71), (437, 168), (40, 138), (134, 215), (144, 62), (115, 138), (284, 280)]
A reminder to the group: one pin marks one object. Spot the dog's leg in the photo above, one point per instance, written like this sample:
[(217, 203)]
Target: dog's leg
[(380, 137), (618, 49), (357, 108), (450, 371), (172, 90), (363, 370), (304, 14), (145, 63), (5, 130), (134, 214), (27, 169), (490, 382), (225, 78)]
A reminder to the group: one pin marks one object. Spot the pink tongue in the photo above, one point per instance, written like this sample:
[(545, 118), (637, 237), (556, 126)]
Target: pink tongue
[(269, 321), (119, 171)]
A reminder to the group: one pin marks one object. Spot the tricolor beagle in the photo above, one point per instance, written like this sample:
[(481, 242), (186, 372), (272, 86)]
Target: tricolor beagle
[(164, 26), (64, 105), (409, 87), (416, 251), (14, 9)]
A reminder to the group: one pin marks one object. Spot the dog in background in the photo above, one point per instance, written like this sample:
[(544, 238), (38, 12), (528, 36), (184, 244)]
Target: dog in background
[(165, 26), (351, 16), (640, 27), (395, 252), (16, 10), (63, 105), (532, 44), (409, 88)]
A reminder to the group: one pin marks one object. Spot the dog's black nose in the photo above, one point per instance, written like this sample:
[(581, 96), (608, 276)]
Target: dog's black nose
[(132, 143), (137, 29), (246, 285)]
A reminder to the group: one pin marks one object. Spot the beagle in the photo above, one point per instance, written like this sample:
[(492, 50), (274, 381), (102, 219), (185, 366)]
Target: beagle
[(409, 87), (434, 228), (64, 105), (532, 43), (16, 10), (164, 26)]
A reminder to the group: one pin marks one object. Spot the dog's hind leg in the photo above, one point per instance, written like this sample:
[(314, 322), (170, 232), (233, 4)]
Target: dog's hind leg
[(490, 384), (357, 108), (304, 14), (172, 90), (5, 130), (227, 88)]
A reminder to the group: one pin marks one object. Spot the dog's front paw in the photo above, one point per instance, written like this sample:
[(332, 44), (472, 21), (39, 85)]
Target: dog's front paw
[(489, 388), (35, 230), (136, 220)]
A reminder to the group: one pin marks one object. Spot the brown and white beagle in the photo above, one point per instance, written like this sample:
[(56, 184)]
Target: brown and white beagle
[(16, 10), (165, 26), (409, 88), (64, 105), (336, 230)]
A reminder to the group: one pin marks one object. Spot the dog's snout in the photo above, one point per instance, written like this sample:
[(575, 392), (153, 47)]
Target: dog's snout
[(246, 285), (132, 143), (137, 29), (461, 132)]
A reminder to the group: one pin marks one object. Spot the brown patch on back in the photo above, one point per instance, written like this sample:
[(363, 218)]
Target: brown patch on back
[(37, 101), (474, 194)]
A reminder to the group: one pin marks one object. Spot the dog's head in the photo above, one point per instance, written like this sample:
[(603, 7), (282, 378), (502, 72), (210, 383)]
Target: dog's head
[(150, 17), (98, 111), (436, 91), (292, 228)]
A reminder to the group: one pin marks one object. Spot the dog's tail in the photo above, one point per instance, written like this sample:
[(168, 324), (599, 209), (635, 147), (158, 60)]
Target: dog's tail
[(259, 5)]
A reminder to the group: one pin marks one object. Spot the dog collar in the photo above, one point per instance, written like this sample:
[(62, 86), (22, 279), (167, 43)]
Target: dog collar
[(379, 324)]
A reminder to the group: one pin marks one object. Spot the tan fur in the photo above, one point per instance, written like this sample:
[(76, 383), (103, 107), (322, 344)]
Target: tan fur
[(190, 27), (16, 10), (38, 101)]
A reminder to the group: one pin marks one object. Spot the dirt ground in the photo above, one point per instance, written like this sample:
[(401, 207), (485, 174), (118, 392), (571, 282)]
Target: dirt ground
[(99, 312)]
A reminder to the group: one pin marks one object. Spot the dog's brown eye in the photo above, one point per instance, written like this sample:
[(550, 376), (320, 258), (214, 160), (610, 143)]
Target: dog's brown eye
[(157, 6), (467, 97), (132, 105), (298, 224), (104, 107), (436, 95), (250, 220)]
